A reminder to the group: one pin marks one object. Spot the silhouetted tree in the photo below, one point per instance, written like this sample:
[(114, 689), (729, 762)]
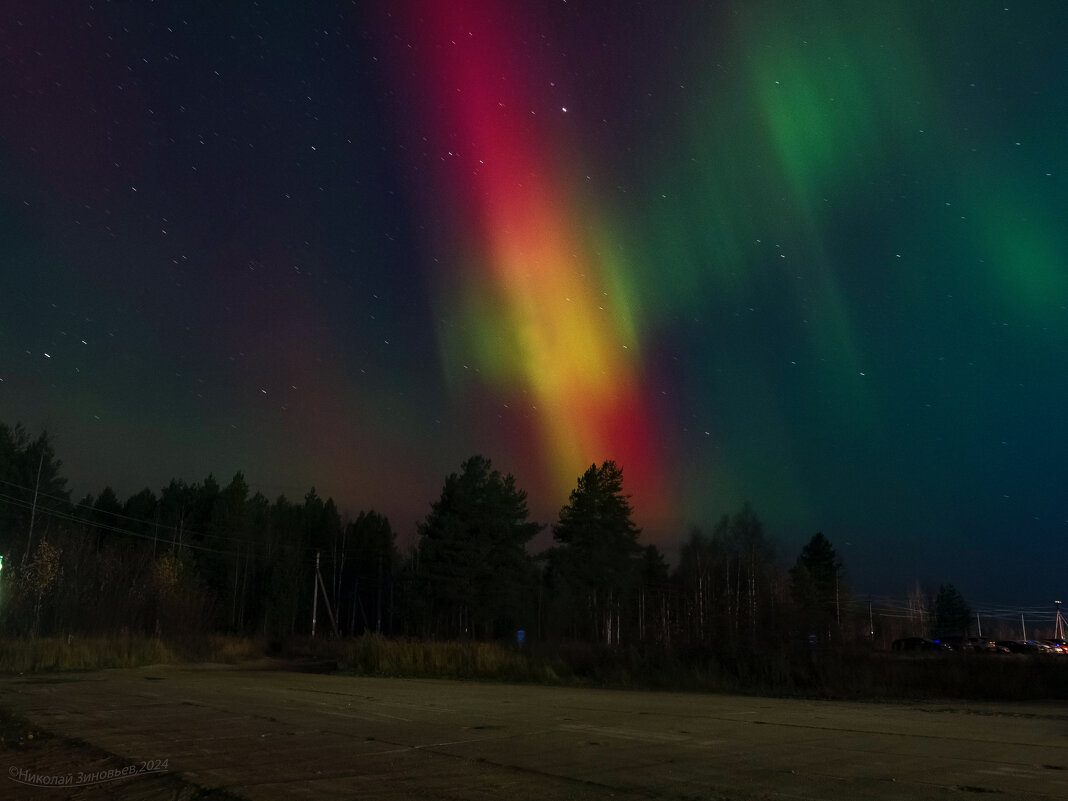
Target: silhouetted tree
[(198, 557), (286, 580), (698, 575), (40, 575), (815, 583), (254, 557), (599, 548), (653, 597), (228, 549), (754, 554), (106, 515), (140, 514), (32, 490), (369, 563), (472, 551), (176, 505), (729, 591), (952, 615)]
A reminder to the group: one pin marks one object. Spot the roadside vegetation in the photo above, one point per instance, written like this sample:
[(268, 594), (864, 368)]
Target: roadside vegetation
[(206, 572), (841, 674), (122, 650)]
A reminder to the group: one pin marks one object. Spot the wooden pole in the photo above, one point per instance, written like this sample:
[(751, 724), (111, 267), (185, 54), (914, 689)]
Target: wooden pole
[(326, 600), (33, 509), (315, 592)]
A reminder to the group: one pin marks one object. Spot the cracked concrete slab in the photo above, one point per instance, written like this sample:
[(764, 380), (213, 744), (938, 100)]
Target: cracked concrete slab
[(267, 735)]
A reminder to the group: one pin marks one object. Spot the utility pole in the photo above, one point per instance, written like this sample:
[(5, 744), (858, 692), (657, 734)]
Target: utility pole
[(355, 597), (1058, 628), (378, 598), (326, 597), (315, 592), (33, 509), (837, 604)]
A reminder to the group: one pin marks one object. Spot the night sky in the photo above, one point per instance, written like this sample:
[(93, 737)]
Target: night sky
[(811, 255)]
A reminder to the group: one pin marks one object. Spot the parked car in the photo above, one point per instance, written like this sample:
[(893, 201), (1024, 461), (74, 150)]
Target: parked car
[(969, 644), (979, 645), (1024, 646), (919, 644)]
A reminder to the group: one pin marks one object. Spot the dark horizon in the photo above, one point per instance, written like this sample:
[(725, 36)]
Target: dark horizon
[(1000, 611)]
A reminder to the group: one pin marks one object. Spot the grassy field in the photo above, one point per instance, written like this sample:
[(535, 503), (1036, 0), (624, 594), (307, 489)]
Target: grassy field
[(832, 674), (51, 654)]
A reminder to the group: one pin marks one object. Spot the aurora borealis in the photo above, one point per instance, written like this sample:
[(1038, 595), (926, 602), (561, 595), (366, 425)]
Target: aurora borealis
[(809, 255), (551, 328)]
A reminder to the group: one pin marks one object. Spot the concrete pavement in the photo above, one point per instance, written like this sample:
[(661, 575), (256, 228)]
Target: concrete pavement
[(265, 735)]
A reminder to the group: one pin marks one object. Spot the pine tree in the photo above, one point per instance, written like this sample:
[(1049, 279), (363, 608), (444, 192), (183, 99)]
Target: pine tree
[(600, 547), (472, 551), (952, 615), (815, 582)]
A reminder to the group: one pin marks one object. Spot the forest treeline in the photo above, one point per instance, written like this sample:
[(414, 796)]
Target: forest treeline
[(212, 558)]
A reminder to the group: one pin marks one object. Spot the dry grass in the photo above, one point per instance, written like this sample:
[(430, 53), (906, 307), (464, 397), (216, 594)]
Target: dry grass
[(832, 674), (48, 654), (374, 655), (56, 654)]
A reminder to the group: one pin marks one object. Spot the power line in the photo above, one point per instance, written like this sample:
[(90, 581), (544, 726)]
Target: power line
[(256, 547)]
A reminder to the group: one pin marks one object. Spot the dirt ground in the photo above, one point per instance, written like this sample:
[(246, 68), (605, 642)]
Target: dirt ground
[(220, 733)]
